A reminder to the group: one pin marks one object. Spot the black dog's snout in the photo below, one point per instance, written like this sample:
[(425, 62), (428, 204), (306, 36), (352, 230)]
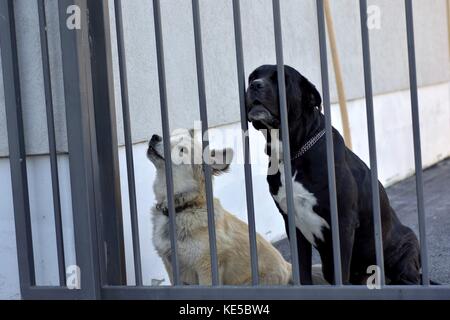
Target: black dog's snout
[(257, 84), (155, 139)]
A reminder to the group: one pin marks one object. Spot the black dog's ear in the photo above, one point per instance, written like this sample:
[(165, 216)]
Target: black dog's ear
[(316, 99), (311, 96)]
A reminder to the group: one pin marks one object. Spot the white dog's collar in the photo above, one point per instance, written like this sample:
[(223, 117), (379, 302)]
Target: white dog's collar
[(179, 207), (165, 210)]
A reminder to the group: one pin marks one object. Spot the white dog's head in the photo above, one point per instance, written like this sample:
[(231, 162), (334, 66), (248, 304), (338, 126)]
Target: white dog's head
[(187, 172)]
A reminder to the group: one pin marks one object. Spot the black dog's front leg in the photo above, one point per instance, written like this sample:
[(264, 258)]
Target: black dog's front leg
[(346, 240), (304, 249), (305, 259)]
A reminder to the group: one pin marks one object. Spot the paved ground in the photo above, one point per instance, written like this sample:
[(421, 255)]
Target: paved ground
[(437, 208)]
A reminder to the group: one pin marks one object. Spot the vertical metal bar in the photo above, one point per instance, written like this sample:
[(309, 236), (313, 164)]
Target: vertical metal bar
[(166, 137), (17, 155), (80, 131), (110, 224), (417, 144), (52, 143), (372, 141), (205, 140), (286, 144), (245, 142), (128, 142), (330, 145)]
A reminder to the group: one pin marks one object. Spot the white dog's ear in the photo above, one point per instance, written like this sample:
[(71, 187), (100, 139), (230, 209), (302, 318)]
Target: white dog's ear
[(221, 160)]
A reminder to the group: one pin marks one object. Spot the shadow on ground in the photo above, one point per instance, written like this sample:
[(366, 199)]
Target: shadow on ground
[(437, 209)]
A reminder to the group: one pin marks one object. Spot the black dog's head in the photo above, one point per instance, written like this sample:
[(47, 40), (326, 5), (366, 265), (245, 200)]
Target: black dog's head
[(262, 99)]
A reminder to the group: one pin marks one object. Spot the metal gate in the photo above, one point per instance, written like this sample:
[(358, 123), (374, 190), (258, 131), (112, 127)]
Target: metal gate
[(94, 173)]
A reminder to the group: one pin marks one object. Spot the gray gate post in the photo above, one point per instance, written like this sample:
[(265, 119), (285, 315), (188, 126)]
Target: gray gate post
[(81, 136), (110, 207), (17, 155)]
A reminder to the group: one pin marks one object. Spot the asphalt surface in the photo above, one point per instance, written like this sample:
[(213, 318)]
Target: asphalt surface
[(437, 210)]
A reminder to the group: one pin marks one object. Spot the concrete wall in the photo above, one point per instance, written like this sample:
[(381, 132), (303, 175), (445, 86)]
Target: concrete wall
[(31, 80), (42, 219), (388, 46)]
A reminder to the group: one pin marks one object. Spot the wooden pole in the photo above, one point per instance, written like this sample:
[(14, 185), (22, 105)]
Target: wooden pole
[(448, 25), (338, 74)]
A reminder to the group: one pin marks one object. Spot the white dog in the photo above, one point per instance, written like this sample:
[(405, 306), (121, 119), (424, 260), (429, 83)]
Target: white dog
[(233, 248)]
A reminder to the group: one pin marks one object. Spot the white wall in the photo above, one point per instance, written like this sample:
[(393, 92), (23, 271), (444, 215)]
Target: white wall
[(42, 219), (395, 160), (9, 275)]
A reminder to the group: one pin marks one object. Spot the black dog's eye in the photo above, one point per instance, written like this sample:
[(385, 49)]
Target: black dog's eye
[(273, 77)]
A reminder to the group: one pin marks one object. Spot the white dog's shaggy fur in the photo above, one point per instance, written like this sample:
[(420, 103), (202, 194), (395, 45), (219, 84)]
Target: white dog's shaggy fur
[(232, 238), (233, 248)]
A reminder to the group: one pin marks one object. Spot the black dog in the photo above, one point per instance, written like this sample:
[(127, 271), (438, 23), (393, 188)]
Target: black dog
[(310, 187)]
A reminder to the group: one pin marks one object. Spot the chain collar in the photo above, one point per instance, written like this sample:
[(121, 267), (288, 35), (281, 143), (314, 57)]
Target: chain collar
[(180, 208), (308, 145)]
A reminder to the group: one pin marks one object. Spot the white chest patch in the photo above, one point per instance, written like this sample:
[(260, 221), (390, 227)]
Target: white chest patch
[(309, 223)]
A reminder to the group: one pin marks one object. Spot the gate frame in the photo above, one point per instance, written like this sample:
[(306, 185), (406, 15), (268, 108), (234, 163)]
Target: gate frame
[(94, 184), (90, 116)]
